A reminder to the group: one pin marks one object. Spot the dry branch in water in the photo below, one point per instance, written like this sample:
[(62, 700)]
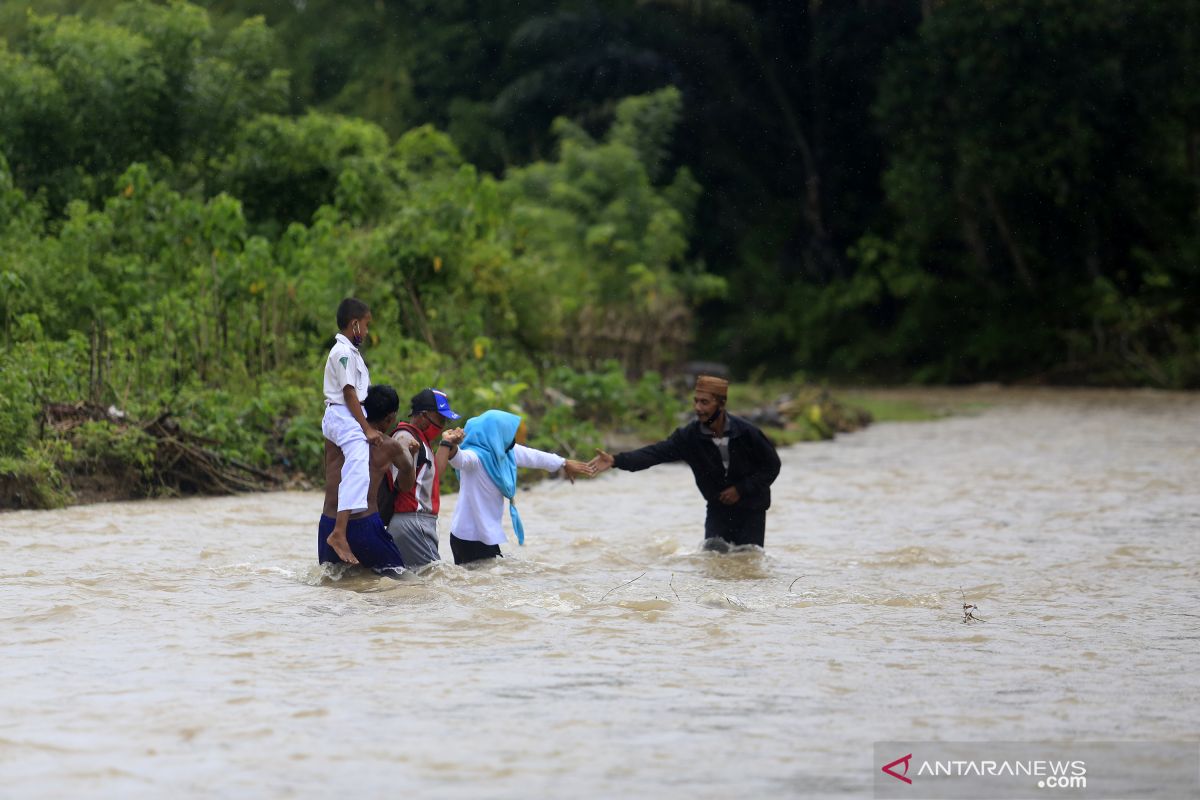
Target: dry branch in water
[(610, 591), (183, 462), (969, 610)]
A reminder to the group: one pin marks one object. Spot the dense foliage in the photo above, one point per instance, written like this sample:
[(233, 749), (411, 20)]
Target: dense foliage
[(542, 195), (156, 263), (939, 190)]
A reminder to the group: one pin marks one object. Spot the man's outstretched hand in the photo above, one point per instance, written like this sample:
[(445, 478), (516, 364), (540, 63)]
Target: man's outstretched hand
[(601, 461)]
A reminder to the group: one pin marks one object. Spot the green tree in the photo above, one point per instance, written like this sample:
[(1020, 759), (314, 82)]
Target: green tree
[(1037, 204)]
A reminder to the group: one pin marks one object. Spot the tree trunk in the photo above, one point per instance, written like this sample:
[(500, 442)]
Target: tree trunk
[(969, 224), (1010, 243), (818, 241)]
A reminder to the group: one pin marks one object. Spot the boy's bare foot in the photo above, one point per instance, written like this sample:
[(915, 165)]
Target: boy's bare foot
[(337, 540)]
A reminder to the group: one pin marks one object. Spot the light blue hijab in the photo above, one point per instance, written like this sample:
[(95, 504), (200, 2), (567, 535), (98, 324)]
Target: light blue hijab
[(489, 436)]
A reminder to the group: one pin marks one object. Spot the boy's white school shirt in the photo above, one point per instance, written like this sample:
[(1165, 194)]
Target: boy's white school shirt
[(480, 506), (345, 367)]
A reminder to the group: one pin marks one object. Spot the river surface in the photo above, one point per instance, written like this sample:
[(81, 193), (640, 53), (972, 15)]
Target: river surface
[(192, 648)]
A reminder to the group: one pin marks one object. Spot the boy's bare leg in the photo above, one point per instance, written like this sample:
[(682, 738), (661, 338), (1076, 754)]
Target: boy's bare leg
[(337, 539)]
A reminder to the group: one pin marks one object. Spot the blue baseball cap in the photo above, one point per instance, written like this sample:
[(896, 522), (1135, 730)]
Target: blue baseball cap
[(433, 400)]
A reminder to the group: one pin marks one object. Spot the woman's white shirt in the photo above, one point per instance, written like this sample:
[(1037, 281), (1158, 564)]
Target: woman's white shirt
[(479, 508)]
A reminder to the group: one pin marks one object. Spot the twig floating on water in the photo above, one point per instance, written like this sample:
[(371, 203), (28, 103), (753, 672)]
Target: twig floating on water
[(793, 583), (610, 591), (969, 610), (671, 583)]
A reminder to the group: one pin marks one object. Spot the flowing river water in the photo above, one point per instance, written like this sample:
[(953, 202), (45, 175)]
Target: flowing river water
[(192, 648)]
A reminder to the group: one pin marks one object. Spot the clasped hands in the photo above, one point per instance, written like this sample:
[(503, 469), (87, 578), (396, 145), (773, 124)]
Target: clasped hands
[(573, 469)]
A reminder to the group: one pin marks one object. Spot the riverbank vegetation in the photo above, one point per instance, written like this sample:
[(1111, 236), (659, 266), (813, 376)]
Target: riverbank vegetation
[(551, 206), (166, 320)]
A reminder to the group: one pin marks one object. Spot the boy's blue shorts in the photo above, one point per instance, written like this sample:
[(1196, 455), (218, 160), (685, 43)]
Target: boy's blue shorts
[(373, 546)]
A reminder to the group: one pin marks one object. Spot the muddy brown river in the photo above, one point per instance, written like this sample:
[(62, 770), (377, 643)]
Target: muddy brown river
[(192, 648)]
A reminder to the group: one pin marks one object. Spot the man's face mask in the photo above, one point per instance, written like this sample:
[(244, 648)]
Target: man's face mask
[(432, 427)]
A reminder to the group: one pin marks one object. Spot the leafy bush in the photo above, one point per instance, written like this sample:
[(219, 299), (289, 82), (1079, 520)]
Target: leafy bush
[(33, 479)]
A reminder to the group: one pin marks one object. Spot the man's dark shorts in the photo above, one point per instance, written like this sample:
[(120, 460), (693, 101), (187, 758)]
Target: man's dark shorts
[(726, 527), (369, 540)]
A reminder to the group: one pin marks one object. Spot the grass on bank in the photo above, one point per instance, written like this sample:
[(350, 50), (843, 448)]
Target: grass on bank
[(818, 413), (573, 413), (885, 408), (914, 405)]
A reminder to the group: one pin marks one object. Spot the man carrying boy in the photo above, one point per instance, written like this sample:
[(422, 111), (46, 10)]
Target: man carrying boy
[(345, 424), (414, 522), (367, 542)]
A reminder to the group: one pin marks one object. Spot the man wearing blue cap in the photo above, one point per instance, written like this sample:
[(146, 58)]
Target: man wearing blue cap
[(414, 513)]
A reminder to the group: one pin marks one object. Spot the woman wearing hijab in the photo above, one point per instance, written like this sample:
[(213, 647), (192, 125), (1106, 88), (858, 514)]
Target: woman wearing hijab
[(486, 454)]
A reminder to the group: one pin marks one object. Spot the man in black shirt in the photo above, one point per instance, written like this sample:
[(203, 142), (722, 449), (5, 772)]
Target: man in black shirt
[(733, 462)]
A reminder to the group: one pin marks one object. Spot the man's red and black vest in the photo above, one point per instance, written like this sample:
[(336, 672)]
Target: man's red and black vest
[(423, 497)]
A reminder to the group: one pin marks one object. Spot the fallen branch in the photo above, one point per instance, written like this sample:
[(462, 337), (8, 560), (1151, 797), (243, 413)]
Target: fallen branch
[(969, 610), (623, 585)]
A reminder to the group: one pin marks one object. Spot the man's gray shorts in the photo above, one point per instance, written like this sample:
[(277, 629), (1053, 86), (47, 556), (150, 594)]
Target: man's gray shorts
[(416, 536)]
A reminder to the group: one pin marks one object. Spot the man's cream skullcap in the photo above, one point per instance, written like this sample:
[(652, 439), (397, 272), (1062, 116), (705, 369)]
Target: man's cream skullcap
[(712, 385)]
